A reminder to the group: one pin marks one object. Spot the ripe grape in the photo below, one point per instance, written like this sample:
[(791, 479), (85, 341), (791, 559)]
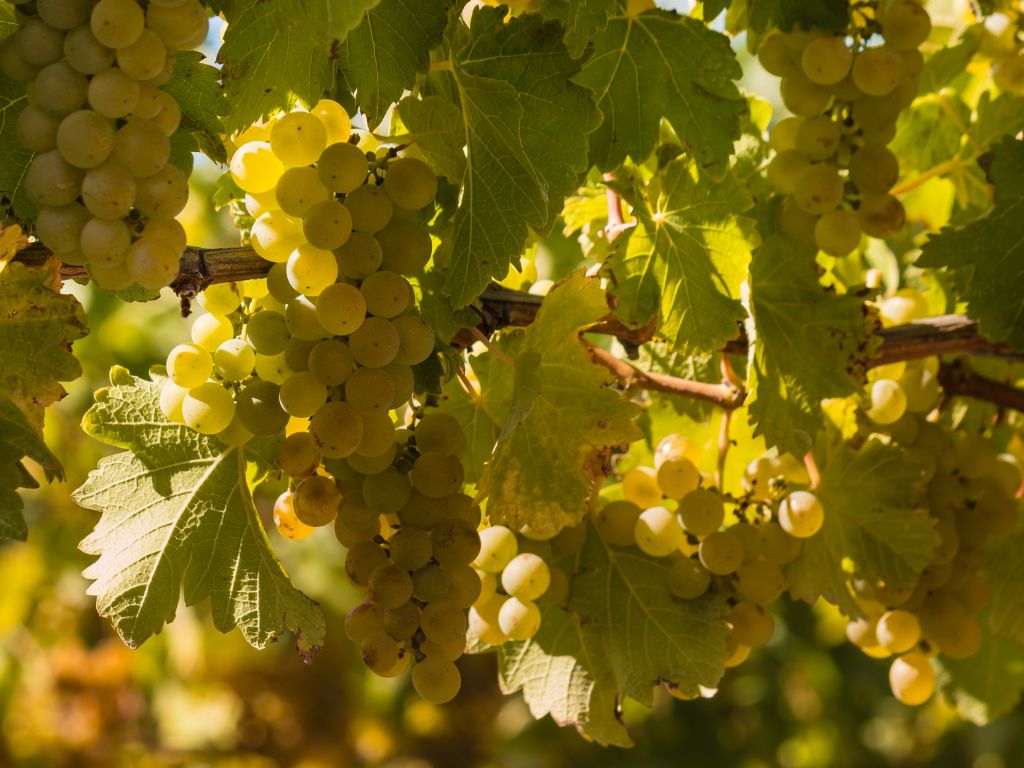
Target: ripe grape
[(37, 43), (387, 491), (677, 477), (456, 542), (288, 525), (721, 552), (483, 620), (776, 56), (275, 235), (117, 23), (298, 190), (784, 170), (701, 512), (779, 546), (405, 246), (498, 545), (337, 428), (386, 294), (436, 475), (255, 168), (687, 579), (881, 216), (189, 365), (342, 167), (390, 586), (817, 137), (898, 630), (210, 331), (819, 189), (297, 455), (374, 343), (526, 576), (141, 147), (640, 486), (363, 620), (430, 584), (162, 195), (310, 270), (272, 368), (51, 180), (171, 398), (335, 119), (801, 96), (378, 434), (369, 390), (302, 395), (436, 680), (904, 306), (145, 58), (464, 585), (298, 138), (877, 71), (658, 532), (108, 190), (362, 559), (443, 622), (404, 381), (616, 522), (37, 129), (316, 500), (370, 206), (410, 183), (801, 514), (182, 26), (61, 228), (759, 582), (519, 619), (401, 623), (888, 402), (151, 263), (330, 362), (303, 323), (341, 309), (752, 625), (905, 24), (441, 433), (208, 408), (912, 679), (874, 169), (826, 60), (259, 408), (327, 224), (795, 222), (361, 255), (380, 652), (837, 232)]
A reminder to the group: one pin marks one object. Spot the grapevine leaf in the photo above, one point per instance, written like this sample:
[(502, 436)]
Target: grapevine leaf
[(277, 53), (929, 132), (873, 526), (14, 158), (18, 439), (833, 15), (382, 56), (988, 253), (549, 415), (622, 634), (946, 64), (37, 327), (687, 258), (582, 19), (513, 82), (196, 88), (177, 514), (807, 344), (995, 118), (1005, 571), (436, 123), (659, 65), (988, 684)]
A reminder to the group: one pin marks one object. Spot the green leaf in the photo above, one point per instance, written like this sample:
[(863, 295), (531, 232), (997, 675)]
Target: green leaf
[(196, 88), (930, 131), (833, 15), (663, 66), (621, 634), (582, 19), (989, 683), (806, 344), (14, 158), (382, 56), (995, 118), (988, 253), (1005, 571), (276, 53), (946, 64), (513, 84), (37, 327), (547, 407), (874, 526), (177, 514), (687, 258), (18, 439)]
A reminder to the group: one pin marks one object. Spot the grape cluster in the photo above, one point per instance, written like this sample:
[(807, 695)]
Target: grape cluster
[(831, 162), (100, 127), (1004, 44)]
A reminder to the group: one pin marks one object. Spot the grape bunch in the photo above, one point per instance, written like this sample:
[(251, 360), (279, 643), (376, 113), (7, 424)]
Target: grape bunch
[(100, 127), (831, 162), (1004, 45), (331, 335)]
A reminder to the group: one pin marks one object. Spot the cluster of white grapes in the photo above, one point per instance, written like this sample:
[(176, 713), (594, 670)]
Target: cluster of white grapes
[(1004, 44), (846, 93), (331, 335), (100, 127)]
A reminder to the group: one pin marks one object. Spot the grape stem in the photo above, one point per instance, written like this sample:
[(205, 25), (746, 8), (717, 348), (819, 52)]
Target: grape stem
[(723, 448), (812, 470)]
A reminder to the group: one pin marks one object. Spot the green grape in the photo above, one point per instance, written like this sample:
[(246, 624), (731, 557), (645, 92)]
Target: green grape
[(189, 365), (255, 168), (898, 631), (404, 382), (273, 368), (456, 542), (297, 455), (51, 180), (912, 679), (108, 190), (117, 23), (677, 477), (776, 56), (519, 619), (837, 232), (210, 331), (208, 408), (374, 343), (903, 307), (888, 402), (38, 44), (401, 623), (801, 514), (162, 195), (483, 621), (424, 512), (440, 433), (298, 190), (61, 228), (390, 586), (1006, 472), (721, 552), (640, 486), (302, 395), (415, 340), (818, 137), (616, 522), (779, 547), (327, 224), (374, 465), (337, 428), (310, 270), (657, 532), (881, 216), (405, 245), (488, 587), (151, 263), (59, 89), (112, 278), (371, 208), (783, 134), (341, 309), (316, 500), (145, 58), (801, 96), (364, 620), (921, 388), (261, 202), (905, 24), (357, 515), (443, 622), (795, 222), (335, 119), (874, 169), (378, 434), (759, 582), (342, 167), (464, 586), (37, 129), (876, 116), (819, 189), (784, 170), (362, 560), (380, 651), (369, 390), (526, 576), (687, 579), (303, 321), (182, 26), (150, 102), (462, 506), (751, 624), (387, 491), (171, 398), (386, 294), (287, 524), (298, 138), (877, 71), (826, 60), (975, 455), (234, 360), (436, 680), (701, 512), (259, 408), (430, 584), (411, 548), (966, 642), (141, 147), (171, 232), (436, 475), (275, 235), (330, 362), (13, 65), (450, 651), (360, 256), (410, 183), (267, 332), (113, 94)]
